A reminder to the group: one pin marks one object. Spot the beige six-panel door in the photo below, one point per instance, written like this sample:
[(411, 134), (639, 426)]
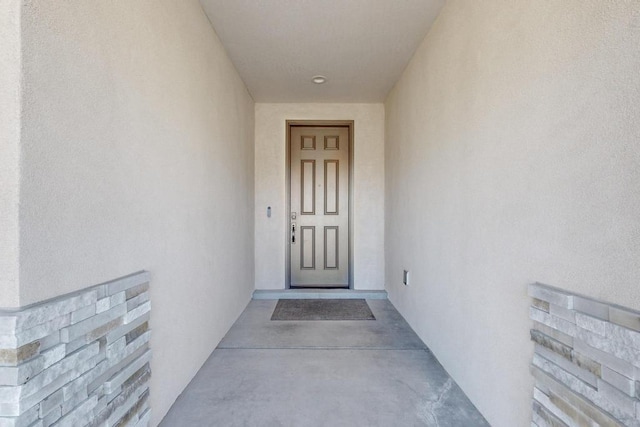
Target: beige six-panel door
[(319, 217)]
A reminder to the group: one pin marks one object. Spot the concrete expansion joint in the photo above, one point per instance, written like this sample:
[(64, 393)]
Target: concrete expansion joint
[(357, 372)]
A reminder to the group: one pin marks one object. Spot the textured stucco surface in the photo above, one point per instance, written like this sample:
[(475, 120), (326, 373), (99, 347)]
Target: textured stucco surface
[(362, 46), (137, 150), (512, 156), (368, 188), (9, 150)]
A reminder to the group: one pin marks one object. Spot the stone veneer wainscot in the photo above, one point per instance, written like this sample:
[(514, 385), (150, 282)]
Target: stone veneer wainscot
[(78, 360), (586, 362)]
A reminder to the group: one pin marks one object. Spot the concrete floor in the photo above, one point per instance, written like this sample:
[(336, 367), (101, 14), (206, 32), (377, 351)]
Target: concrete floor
[(322, 373)]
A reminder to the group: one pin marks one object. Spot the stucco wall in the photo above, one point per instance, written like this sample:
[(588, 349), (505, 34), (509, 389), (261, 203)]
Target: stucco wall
[(9, 150), (512, 156), (137, 150), (368, 188)]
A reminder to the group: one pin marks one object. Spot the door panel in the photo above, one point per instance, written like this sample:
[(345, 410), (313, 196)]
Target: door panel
[(307, 248), (331, 248), (331, 187), (319, 221), (308, 187)]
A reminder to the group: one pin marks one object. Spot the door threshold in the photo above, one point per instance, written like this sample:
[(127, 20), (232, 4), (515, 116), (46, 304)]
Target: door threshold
[(329, 287), (261, 294)]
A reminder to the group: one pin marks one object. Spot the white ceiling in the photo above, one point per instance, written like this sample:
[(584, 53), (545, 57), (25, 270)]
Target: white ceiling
[(361, 46)]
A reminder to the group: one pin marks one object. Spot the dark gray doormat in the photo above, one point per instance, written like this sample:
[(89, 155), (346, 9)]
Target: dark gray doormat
[(322, 309)]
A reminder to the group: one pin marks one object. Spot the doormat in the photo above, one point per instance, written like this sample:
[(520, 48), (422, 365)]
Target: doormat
[(322, 309)]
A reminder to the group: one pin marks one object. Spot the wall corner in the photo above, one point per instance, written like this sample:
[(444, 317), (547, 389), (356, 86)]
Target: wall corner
[(10, 100)]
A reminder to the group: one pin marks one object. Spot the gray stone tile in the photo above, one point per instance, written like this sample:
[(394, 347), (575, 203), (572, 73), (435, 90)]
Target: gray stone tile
[(541, 305), (136, 333), (53, 352), (144, 419), (544, 418), (74, 401), (621, 401), (24, 420), (604, 358), (35, 333), (551, 295), (591, 307), (553, 333), (563, 313), (13, 356), (50, 341), (625, 317), (69, 368), (614, 348), (137, 300), (39, 314), (130, 406), (78, 384), (53, 416), (554, 322), (114, 366), (78, 415), (121, 331), (76, 344), (591, 324), (136, 291), (103, 304), (624, 335), (137, 312), (8, 324), (551, 344), (117, 299), (586, 363), (50, 403), (559, 391), (18, 375), (580, 411), (602, 399), (568, 365), (79, 329), (619, 381), (120, 377), (127, 282), (83, 313), (550, 406)]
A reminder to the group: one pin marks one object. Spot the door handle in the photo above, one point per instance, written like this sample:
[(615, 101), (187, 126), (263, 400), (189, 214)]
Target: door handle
[(293, 233)]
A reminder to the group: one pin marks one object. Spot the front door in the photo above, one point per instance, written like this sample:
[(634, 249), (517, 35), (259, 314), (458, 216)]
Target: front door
[(319, 217)]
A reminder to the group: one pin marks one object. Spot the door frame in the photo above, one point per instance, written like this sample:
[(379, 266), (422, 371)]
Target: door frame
[(316, 123)]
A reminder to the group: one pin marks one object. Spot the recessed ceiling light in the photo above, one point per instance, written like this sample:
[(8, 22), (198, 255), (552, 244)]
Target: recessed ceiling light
[(319, 79)]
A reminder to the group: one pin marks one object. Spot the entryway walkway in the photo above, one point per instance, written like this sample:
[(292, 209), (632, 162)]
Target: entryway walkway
[(322, 373)]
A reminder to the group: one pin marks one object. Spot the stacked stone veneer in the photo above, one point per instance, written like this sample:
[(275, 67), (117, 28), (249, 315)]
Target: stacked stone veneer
[(586, 362), (78, 360)]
